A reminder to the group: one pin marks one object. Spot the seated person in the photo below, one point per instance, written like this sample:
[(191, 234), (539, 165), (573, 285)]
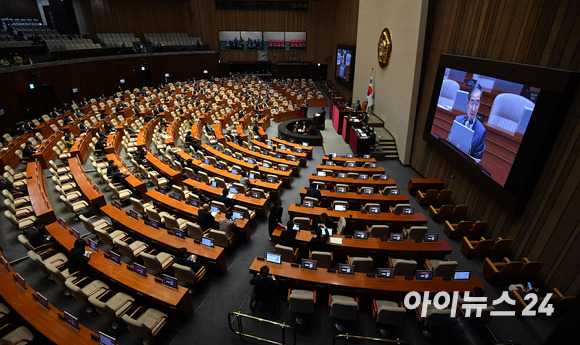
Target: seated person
[(313, 192), (68, 140), (67, 121), (224, 199), (108, 128), (324, 221), (288, 236), (319, 242), (205, 219), (226, 224), (28, 150), (110, 168), (119, 177), (36, 235), (100, 145), (78, 257), (181, 258), (265, 287)]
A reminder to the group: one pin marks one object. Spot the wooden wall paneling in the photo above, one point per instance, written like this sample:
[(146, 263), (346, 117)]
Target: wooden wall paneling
[(537, 32)]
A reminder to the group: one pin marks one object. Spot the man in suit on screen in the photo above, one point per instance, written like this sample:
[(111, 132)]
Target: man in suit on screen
[(470, 121)]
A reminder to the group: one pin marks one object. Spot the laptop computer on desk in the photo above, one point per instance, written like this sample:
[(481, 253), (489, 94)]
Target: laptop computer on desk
[(461, 137)]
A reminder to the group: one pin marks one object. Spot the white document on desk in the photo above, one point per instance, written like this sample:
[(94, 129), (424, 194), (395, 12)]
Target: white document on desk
[(335, 240)]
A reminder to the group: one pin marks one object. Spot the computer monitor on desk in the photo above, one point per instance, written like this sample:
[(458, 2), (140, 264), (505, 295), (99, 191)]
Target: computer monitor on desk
[(308, 264), (273, 258), (321, 173), (424, 275), (206, 241), (106, 339), (342, 175), (346, 269), (396, 237), (340, 208), (431, 237), (308, 203), (386, 273), (361, 235), (461, 275), (374, 209), (341, 189)]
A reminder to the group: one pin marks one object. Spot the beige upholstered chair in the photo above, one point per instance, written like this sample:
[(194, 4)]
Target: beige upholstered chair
[(146, 323)]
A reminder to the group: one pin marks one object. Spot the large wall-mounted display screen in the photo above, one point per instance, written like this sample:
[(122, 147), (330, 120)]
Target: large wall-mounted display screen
[(497, 120)]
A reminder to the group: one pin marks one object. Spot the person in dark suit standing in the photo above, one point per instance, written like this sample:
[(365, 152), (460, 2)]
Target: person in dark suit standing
[(322, 118), (319, 242), (265, 288), (275, 217)]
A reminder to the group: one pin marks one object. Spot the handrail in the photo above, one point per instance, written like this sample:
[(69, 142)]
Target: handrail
[(347, 336), (241, 333)]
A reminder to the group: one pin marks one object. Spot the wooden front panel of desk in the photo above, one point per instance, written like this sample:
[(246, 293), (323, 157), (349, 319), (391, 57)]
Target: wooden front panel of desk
[(36, 186), (287, 115), (272, 188), (302, 155), (282, 175), (358, 169), (8, 155), (160, 236), (360, 219), (134, 182), (46, 322), (182, 209), (356, 200), (378, 248), (360, 283), (259, 205), (307, 149), (359, 161), (165, 170), (44, 153), (114, 141), (295, 166), (89, 189), (81, 147), (146, 286)]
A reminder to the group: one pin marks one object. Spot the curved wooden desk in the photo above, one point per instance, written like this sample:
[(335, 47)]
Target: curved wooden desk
[(81, 146), (356, 200), (359, 283), (358, 169), (46, 322), (146, 286), (272, 188), (146, 133), (376, 247), (89, 189), (187, 211), (161, 237), (358, 160), (36, 185), (295, 166), (359, 218), (282, 175), (307, 149), (8, 154), (133, 180), (164, 169), (114, 141), (44, 152), (354, 183), (260, 205), (301, 155)]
